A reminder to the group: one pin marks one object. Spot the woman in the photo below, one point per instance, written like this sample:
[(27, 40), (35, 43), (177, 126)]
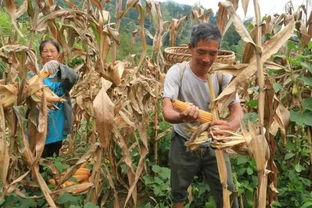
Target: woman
[(60, 81)]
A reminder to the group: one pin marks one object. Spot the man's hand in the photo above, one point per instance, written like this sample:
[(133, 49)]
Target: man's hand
[(52, 67), (219, 126), (190, 115)]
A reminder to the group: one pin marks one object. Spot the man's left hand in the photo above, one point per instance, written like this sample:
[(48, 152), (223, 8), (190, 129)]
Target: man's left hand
[(219, 127)]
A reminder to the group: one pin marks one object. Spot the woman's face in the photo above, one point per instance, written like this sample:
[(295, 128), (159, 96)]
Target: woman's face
[(49, 52)]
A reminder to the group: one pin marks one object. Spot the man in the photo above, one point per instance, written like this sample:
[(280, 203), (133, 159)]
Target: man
[(189, 83)]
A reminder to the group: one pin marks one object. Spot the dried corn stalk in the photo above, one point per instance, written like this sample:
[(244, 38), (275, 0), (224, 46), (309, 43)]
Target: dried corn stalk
[(175, 26)]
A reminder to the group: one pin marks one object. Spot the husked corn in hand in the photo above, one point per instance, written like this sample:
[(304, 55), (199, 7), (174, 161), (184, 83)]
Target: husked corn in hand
[(44, 73), (181, 106)]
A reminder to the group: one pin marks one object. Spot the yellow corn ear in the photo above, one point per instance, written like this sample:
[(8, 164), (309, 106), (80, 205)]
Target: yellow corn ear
[(44, 73), (82, 171), (181, 106), (81, 177), (83, 165), (52, 181), (68, 183), (79, 190)]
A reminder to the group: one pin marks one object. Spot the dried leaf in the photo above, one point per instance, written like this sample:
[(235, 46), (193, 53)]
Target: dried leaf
[(4, 153), (222, 17), (22, 9), (130, 4), (281, 120), (8, 95), (98, 4), (104, 114), (31, 162), (235, 4), (10, 7), (42, 126), (245, 5), (71, 4), (270, 47), (238, 24)]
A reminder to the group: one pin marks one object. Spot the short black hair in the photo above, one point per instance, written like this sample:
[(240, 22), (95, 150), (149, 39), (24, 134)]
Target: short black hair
[(205, 32), (53, 42)]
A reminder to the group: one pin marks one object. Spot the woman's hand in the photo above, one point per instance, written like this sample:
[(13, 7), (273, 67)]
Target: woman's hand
[(52, 67)]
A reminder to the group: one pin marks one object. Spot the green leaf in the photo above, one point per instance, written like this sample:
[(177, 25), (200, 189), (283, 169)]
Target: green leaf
[(291, 45), (306, 80), (282, 56), (301, 118), (242, 160), (253, 117), (73, 179), (289, 155), (27, 203), (163, 172), (298, 168), (307, 205), (148, 205), (249, 171), (277, 87), (310, 45), (60, 167), (307, 66), (90, 205), (68, 199), (147, 179), (273, 72), (252, 103), (307, 104)]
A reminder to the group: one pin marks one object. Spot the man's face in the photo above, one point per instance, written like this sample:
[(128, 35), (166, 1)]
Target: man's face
[(204, 53)]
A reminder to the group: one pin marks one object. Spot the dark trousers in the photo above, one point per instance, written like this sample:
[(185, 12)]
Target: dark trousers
[(186, 165), (51, 149)]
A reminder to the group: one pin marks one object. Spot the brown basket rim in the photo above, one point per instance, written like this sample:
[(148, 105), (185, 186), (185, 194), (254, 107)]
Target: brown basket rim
[(171, 50)]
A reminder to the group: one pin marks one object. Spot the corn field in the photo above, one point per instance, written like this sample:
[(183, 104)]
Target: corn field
[(117, 104)]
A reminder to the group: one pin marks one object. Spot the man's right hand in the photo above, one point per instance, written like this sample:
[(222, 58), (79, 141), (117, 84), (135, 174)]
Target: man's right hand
[(190, 115)]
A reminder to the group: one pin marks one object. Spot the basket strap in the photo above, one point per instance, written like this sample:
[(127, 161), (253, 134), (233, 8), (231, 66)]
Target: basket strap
[(182, 67)]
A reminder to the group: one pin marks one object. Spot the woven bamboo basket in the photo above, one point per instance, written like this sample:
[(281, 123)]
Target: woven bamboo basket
[(178, 54)]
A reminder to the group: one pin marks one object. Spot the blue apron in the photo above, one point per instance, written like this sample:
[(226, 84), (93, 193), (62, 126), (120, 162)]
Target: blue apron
[(56, 116)]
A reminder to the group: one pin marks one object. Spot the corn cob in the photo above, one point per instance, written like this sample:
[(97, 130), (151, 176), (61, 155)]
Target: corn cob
[(81, 177), (82, 171), (68, 183), (181, 106), (52, 181), (83, 189)]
